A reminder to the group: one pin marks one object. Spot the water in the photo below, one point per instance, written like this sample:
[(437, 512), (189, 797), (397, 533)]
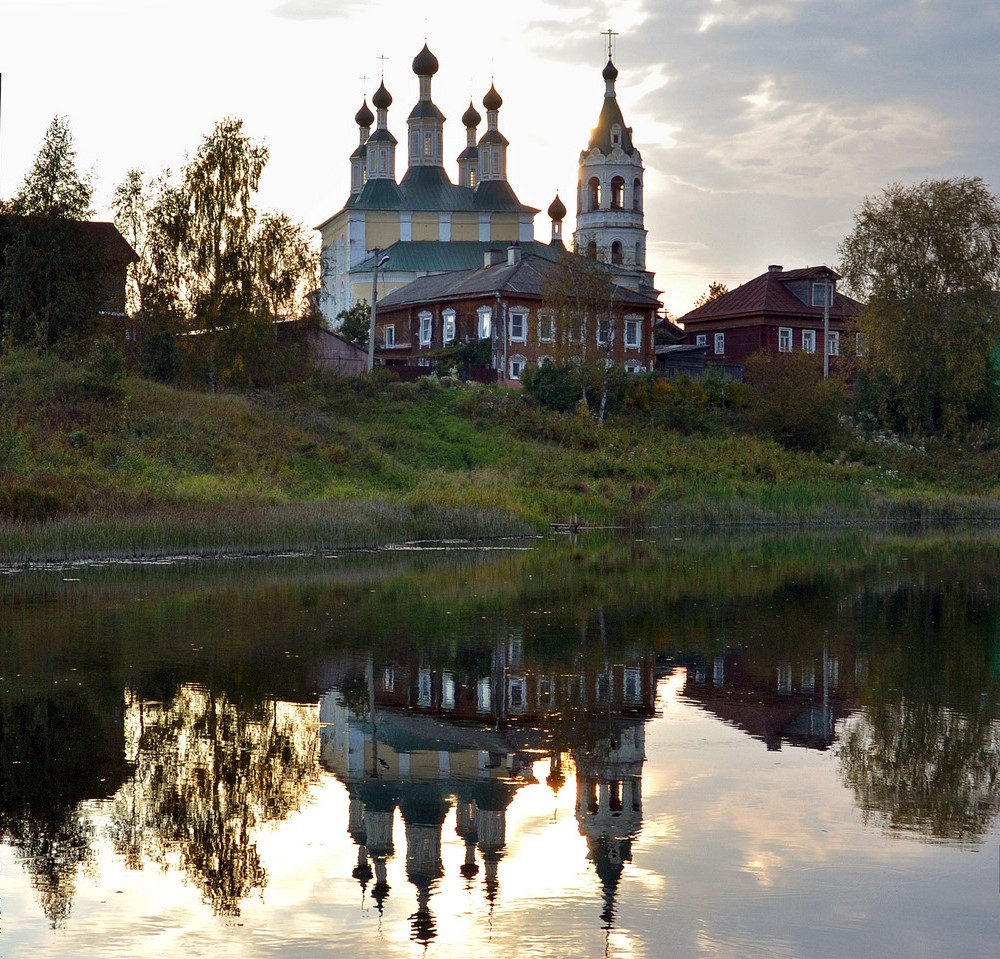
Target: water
[(680, 745)]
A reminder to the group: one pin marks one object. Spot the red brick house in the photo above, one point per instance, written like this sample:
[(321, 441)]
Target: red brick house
[(780, 311), (508, 301)]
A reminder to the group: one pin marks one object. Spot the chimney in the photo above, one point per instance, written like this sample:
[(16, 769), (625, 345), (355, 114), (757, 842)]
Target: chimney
[(514, 253), (775, 268), (492, 258)]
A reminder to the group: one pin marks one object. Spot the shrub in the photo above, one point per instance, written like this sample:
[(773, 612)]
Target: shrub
[(790, 401)]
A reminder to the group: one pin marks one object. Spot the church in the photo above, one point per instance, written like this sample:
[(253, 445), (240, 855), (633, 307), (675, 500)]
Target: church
[(424, 224)]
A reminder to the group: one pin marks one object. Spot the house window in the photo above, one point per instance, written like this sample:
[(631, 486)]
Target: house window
[(388, 679), (633, 685), (484, 696), (517, 364), (424, 687), (616, 135), (633, 366), (833, 344), (603, 331), (617, 253), (821, 294), (594, 188), (425, 329), (808, 341), (633, 332), (472, 176), (448, 691), (517, 697), (448, 316), (720, 343), (546, 328), (701, 339), (592, 250), (485, 322), (518, 326), (390, 336), (784, 339), (486, 162), (785, 678), (428, 144)]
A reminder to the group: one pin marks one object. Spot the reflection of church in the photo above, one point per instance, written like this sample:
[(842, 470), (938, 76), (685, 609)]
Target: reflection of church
[(444, 740)]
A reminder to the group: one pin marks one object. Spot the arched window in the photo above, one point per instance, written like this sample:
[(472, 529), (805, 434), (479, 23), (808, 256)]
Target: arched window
[(637, 195), (639, 265), (592, 250), (595, 193), (617, 193), (617, 256)]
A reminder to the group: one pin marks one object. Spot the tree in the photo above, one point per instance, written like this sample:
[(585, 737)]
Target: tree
[(926, 259), (790, 400), (50, 286), (715, 290), (581, 294), (355, 323), (209, 263)]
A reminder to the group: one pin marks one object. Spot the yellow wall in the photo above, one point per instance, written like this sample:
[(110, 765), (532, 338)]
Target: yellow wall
[(381, 230), (464, 228), (505, 226), (425, 226)]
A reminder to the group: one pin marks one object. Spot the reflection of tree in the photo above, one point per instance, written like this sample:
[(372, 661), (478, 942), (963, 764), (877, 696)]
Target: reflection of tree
[(56, 751), (208, 773), (924, 753), (924, 766)]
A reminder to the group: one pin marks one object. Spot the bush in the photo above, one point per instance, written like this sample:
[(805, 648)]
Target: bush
[(162, 359), (104, 371), (790, 401)]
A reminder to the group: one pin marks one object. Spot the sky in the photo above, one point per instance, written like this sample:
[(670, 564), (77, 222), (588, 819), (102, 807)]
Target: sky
[(763, 124)]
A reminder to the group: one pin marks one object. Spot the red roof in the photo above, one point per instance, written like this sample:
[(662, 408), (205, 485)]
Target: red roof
[(769, 295)]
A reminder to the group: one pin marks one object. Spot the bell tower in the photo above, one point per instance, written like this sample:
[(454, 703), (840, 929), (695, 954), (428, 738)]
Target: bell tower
[(609, 215)]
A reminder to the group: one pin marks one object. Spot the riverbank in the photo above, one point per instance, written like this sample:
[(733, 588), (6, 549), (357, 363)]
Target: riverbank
[(334, 463)]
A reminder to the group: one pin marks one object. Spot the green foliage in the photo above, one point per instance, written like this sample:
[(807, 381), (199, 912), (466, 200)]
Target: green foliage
[(355, 323), (791, 402), (50, 284), (715, 290), (162, 359), (555, 385), (926, 259), (104, 372)]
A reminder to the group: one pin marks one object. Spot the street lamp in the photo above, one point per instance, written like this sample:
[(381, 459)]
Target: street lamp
[(379, 261)]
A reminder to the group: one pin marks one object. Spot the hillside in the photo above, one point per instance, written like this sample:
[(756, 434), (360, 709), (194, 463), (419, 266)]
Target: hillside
[(147, 468)]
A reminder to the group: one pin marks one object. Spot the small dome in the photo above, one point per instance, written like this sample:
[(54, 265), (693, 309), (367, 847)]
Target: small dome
[(471, 117), (382, 98), (425, 64), (364, 117), (610, 72), (557, 209), (492, 100)]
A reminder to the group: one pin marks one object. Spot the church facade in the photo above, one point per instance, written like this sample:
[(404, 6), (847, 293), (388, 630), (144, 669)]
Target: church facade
[(423, 223)]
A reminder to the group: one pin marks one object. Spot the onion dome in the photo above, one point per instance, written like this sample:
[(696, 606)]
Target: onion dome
[(610, 72), (425, 64), (492, 100), (557, 209), (382, 99), (471, 117), (364, 117)]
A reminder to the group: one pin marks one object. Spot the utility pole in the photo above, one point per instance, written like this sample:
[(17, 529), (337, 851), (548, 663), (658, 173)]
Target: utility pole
[(379, 261)]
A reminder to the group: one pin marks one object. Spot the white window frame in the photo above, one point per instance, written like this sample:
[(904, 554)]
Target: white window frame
[(542, 360), (633, 332), (521, 317), (808, 341), (390, 335), (517, 364), (448, 325), (701, 339), (833, 344), (546, 328), (720, 344), (784, 339), (633, 366), (604, 331), (484, 325), (426, 327), (822, 293)]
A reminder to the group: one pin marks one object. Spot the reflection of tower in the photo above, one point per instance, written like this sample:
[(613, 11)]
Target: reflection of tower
[(492, 799), (424, 810), (609, 802), (465, 826), (379, 804)]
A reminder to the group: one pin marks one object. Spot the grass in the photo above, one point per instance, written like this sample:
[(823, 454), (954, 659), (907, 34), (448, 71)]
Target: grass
[(340, 462)]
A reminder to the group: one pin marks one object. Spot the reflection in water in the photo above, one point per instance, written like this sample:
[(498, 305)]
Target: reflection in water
[(175, 726), (423, 740)]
